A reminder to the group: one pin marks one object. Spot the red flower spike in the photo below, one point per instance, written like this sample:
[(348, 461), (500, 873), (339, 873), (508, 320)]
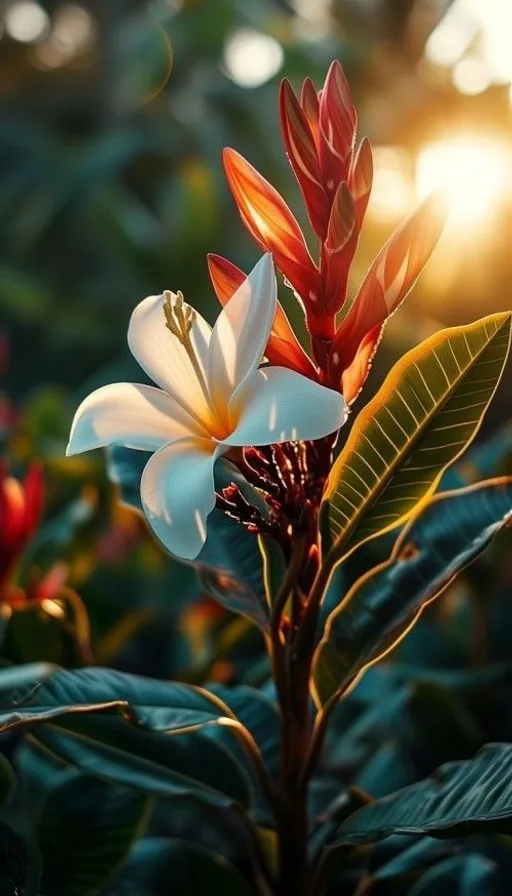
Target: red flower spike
[(303, 157), (283, 349), (338, 122), (271, 223), (390, 278), (338, 249), (360, 178), (311, 108)]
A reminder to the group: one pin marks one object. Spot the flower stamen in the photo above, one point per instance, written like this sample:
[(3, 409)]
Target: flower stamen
[(179, 319)]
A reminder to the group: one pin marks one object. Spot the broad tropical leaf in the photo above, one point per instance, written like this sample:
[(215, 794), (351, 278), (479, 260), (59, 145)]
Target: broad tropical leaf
[(190, 766), (460, 798), (116, 726), (156, 705), (428, 409), (80, 846), (435, 545)]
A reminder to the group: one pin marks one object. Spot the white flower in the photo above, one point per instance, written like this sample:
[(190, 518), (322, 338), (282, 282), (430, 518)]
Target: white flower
[(212, 397)]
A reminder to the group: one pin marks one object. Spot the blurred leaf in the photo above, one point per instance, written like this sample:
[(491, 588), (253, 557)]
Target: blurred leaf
[(85, 832), (459, 798), (418, 423), (467, 875), (491, 458), (435, 545), (160, 866)]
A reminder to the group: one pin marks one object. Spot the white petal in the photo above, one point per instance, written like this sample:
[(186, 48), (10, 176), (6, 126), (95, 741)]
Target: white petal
[(279, 405), (241, 332), (177, 493), (164, 358), (128, 414)]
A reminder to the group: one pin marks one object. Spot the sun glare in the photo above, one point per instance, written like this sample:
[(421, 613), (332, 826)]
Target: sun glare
[(473, 174)]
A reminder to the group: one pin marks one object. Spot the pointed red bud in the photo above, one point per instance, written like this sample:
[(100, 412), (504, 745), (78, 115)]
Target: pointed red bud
[(302, 154), (338, 123), (271, 223), (339, 248), (310, 106)]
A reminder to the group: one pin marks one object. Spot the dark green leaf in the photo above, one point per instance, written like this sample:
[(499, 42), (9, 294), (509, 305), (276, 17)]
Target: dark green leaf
[(190, 765), (86, 830), (135, 749), (151, 704), (161, 866), (460, 798), (231, 569), (466, 875), (436, 544)]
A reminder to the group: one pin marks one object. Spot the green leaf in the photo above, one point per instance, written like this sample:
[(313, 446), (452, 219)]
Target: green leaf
[(436, 544), (159, 866), (260, 715), (230, 568), (155, 705), (86, 830), (428, 409), (133, 749), (465, 875), (229, 565), (460, 798)]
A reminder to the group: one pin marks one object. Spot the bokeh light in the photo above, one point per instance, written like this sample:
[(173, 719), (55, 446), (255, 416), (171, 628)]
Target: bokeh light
[(252, 57), (471, 76), (482, 29), (473, 174), (392, 193), (26, 21)]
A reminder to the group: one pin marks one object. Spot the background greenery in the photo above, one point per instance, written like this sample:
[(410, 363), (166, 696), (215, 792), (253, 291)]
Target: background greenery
[(112, 121)]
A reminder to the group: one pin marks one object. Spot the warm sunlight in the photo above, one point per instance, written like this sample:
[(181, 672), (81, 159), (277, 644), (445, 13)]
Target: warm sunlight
[(474, 174)]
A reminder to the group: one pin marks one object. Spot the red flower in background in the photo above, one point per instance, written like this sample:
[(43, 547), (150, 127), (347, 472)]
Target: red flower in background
[(335, 179), (21, 506)]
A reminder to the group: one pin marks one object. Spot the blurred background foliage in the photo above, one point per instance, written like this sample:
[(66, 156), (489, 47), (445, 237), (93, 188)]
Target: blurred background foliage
[(113, 115)]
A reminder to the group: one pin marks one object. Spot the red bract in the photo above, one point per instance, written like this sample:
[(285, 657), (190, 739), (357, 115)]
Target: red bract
[(335, 179), (21, 505), (283, 349)]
